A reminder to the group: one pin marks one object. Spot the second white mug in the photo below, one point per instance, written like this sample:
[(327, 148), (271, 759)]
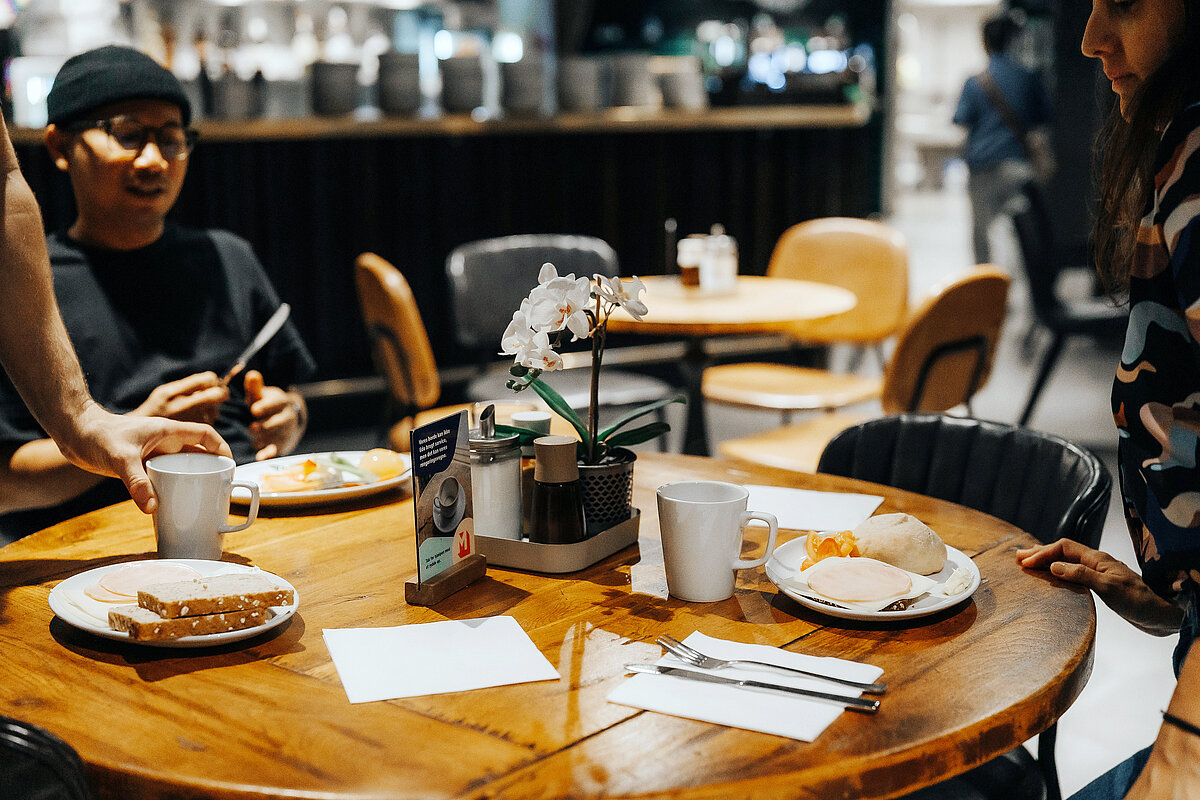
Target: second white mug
[(702, 524), (193, 503)]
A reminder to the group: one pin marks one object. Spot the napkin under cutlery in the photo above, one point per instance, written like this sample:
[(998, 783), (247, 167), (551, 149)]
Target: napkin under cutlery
[(434, 658), (739, 707)]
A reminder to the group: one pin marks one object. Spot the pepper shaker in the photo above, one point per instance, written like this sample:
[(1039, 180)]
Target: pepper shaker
[(556, 516)]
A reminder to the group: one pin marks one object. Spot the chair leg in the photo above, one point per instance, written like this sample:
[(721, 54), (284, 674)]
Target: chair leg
[(1046, 762), (1043, 375)]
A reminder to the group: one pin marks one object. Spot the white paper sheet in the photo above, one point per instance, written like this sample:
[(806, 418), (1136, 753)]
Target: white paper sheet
[(434, 658), (807, 510), (752, 709)]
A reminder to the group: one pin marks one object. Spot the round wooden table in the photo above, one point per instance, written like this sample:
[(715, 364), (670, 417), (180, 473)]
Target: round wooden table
[(756, 305), (269, 717)]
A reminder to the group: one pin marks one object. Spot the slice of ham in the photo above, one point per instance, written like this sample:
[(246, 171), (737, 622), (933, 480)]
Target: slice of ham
[(858, 580), (126, 580)]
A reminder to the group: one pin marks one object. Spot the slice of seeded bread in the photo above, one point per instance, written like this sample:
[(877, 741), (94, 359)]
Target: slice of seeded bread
[(143, 624), (215, 595)]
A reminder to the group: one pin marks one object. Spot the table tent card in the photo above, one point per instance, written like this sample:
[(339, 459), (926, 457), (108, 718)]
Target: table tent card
[(443, 510)]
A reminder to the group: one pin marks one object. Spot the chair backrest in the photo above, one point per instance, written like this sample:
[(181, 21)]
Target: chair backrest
[(399, 341), (1039, 482), (1035, 239), (489, 279), (37, 765), (944, 354), (869, 258)]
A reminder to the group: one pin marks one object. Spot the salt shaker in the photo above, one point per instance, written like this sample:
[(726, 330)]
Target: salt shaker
[(556, 516), (495, 480)]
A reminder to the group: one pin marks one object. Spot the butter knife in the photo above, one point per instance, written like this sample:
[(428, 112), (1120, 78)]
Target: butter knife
[(854, 703), (271, 328)]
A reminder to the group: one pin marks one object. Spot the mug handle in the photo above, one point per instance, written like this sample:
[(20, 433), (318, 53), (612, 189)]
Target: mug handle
[(252, 514), (771, 521)]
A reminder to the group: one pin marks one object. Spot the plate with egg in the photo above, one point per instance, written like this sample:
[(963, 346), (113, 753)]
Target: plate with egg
[(174, 602), (892, 566), (314, 478)]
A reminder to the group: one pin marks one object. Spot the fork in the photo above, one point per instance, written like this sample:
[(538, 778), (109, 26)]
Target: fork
[(698, 659)]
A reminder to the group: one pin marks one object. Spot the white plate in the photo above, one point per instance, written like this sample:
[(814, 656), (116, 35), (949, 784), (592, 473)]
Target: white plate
[(65, 604), (786, 560), (255, 470)]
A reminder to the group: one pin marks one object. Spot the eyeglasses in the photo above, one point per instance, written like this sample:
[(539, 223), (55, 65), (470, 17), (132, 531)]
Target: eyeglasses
[(127, 138)]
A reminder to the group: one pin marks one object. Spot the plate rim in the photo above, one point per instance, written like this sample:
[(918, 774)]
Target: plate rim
[(318, 496), (61, 607), (960, 559)]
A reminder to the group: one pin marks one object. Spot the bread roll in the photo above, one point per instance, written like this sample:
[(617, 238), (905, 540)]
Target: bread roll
[(903, 541)]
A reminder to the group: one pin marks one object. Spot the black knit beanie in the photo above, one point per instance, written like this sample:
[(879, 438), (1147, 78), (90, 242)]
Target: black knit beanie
[(106, 75)]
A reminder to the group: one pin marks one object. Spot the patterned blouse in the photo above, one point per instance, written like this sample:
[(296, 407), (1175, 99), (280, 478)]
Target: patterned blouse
[(1156, 393)]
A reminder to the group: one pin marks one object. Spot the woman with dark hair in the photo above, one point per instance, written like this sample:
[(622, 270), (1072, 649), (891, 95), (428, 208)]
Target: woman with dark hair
[(1147, 251)]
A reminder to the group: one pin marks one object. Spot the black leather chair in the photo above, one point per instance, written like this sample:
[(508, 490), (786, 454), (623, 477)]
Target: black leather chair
[(1043, 484), (488, 280), (1089, 317), (37, 765)]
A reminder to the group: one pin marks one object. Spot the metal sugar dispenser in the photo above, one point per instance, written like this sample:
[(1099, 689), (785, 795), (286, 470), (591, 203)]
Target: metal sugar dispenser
[(495, 479)]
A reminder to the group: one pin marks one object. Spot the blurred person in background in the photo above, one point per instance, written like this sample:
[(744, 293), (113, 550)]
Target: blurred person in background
[(1148, 216), (157, 312), (1003, 95), (38, 358)]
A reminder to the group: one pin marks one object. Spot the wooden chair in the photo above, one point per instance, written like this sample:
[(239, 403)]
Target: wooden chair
[(1088, 318), (402, 353), (1043, 484), (868, 258), (943, 356)]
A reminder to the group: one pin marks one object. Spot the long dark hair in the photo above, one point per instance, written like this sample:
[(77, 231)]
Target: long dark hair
[(1127, 150)]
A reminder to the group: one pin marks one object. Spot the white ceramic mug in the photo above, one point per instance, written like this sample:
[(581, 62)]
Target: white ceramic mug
[(702, 524), (193, 503)]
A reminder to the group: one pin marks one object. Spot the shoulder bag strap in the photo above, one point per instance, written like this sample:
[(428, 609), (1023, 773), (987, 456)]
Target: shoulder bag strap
[(1010, 117)]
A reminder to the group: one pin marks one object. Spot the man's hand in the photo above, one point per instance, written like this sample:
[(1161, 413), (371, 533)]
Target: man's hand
[(117, 446), (1121, 589), (279, 417), (196, 398)]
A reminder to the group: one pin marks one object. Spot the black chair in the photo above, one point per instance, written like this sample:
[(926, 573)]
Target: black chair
[(489, 279), (1088, 317), (37, 765), (1039, 482)]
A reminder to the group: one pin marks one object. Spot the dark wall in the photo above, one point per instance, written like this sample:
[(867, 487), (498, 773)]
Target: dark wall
[(310, 207)]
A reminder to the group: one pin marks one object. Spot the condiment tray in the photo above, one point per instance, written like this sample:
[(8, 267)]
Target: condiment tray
[(558, 558)]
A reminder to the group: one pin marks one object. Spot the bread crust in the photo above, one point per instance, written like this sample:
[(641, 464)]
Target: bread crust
[(143, 624)]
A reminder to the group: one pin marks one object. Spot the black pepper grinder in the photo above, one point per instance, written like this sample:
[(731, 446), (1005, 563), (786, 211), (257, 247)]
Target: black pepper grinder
[(557, 513)]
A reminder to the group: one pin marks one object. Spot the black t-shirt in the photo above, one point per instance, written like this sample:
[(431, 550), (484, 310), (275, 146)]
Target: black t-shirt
[(187, 303)]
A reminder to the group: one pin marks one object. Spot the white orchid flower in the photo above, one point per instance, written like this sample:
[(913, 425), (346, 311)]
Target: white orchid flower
[(557, 304), (538, 354), (624, 293), (518, 334)]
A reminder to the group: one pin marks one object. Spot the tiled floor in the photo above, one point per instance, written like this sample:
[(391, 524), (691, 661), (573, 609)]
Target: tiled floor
[(1118, 712)]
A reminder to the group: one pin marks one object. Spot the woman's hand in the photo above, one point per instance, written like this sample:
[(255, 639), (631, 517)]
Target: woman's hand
[(279, 417), (196, 398), (1116, 584)]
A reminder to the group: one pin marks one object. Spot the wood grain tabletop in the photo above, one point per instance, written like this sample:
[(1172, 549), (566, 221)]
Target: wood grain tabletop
[(268, 717)]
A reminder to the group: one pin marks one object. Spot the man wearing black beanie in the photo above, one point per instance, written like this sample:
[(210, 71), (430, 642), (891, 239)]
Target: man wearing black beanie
[(157, 311), (37, 355)]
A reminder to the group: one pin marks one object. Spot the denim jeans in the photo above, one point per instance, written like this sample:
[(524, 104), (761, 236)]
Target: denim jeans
[(1116, 783)]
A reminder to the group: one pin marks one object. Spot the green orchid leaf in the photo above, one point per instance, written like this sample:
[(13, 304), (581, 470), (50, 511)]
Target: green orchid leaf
[(560, 407), (640, 411), (525, 436), (638, 435)]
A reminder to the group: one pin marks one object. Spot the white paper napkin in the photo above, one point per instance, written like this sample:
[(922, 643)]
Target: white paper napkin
[(434, 658), (808, 510), (753, 709)]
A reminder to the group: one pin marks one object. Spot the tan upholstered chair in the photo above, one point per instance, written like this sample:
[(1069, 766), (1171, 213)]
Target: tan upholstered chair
[(943, 356), (403, 356), (868, 258)]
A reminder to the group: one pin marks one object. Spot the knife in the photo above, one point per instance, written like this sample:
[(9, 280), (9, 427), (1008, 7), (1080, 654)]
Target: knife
[(268, 330), (854, 703)]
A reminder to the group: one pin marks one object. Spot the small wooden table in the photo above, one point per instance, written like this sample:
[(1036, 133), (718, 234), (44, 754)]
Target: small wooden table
[(756, 305), (269, 718)]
